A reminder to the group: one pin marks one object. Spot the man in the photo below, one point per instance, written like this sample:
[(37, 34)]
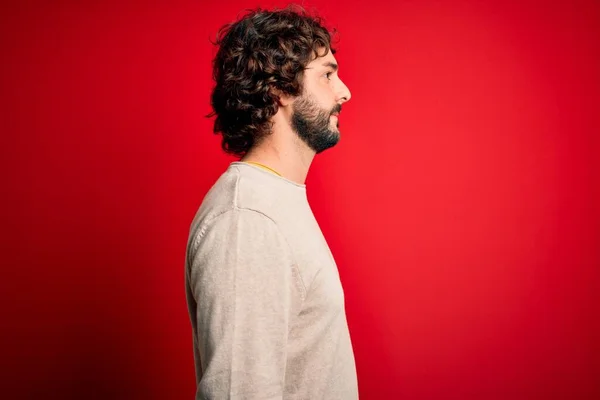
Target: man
[(263, 290)]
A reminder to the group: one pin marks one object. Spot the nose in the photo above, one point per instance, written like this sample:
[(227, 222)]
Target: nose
[(344, 94)]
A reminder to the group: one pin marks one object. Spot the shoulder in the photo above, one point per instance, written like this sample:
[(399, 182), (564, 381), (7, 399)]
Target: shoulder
[(245, 227), (238, 188)]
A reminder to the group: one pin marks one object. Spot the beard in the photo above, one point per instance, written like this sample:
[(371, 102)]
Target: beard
[(313, 124)]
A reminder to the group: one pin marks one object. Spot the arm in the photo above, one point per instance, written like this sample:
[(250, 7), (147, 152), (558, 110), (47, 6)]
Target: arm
[(242, 279)]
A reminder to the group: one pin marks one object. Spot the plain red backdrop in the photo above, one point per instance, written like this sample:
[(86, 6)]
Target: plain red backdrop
[(461, 203)]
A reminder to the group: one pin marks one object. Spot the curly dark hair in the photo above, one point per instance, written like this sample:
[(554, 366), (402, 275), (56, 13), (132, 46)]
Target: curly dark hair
[(260, 53)]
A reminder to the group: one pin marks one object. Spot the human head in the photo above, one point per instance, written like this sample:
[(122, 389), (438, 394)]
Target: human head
[(261, 56)]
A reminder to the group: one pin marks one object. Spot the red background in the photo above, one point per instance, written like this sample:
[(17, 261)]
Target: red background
[(461, 203)]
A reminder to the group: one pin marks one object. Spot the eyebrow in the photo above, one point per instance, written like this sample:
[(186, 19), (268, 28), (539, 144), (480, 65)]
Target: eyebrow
[(332, 65)]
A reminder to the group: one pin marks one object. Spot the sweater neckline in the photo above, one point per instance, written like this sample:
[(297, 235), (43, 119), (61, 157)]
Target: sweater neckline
[(269, 174)]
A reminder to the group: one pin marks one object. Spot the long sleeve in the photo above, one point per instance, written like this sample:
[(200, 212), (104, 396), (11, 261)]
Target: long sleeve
[(244, 282)]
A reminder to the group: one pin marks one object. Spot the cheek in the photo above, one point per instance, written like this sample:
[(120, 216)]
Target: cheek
[(325, 90), (326, 99)]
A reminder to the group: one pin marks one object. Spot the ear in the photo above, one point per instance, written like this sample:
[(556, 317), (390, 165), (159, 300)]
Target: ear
[(283, 99)]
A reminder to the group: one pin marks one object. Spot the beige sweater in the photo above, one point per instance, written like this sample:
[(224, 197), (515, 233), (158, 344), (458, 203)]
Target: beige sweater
[(264, 295)]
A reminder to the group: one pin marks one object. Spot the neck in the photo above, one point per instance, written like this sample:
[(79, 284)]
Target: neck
[(291, 160)]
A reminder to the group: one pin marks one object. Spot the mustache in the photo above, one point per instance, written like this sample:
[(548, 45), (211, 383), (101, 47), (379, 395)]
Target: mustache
[(336, 109)]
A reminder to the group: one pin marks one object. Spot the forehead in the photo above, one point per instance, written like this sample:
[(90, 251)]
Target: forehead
[(323, 61)]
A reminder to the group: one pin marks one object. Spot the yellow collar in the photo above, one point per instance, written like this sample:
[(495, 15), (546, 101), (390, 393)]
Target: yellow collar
[(263, 166)]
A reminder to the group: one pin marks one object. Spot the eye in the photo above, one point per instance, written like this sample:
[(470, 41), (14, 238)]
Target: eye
[(328, 75)]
